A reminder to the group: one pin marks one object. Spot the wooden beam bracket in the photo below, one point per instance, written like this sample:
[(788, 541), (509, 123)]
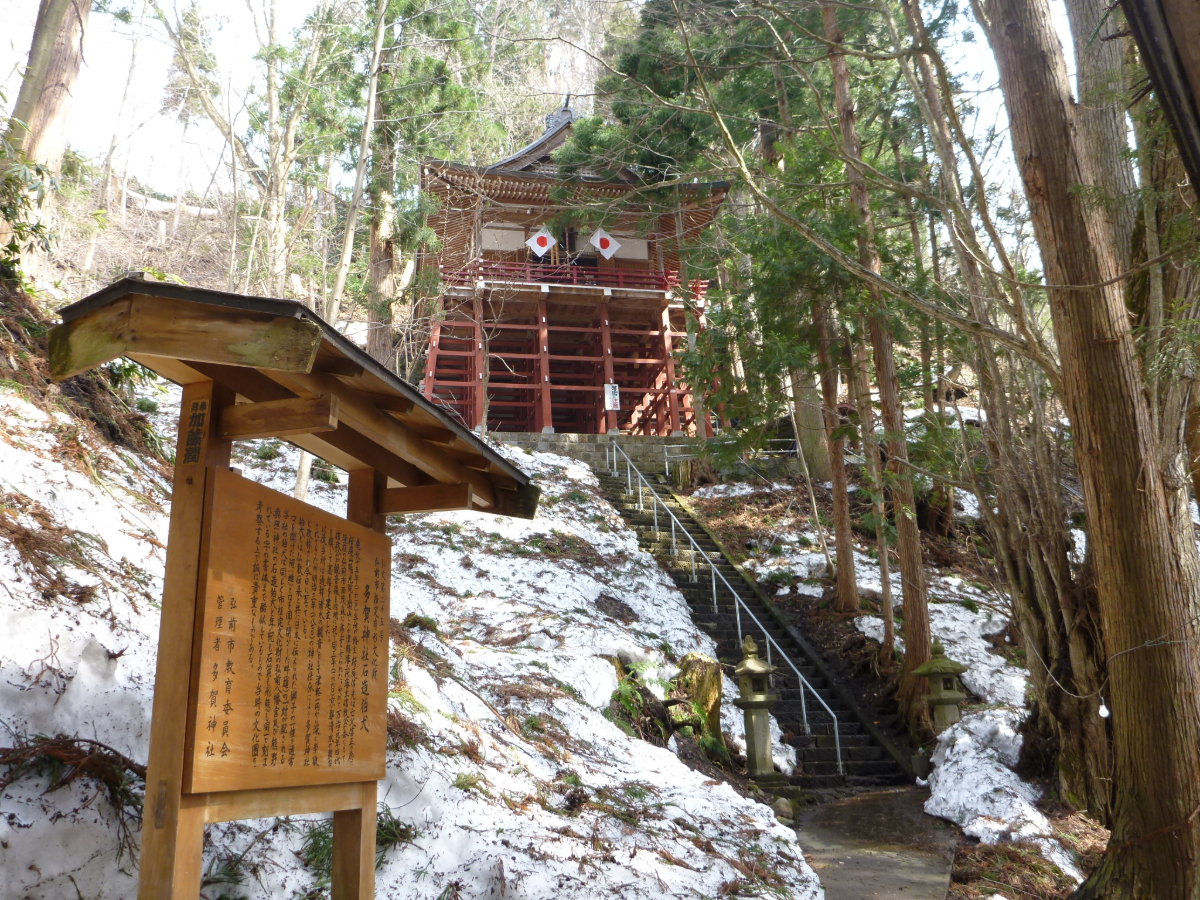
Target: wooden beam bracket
[(156, 326), (279, 418), (427, 498)]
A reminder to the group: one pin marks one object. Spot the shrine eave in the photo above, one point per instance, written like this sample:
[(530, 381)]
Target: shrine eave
[(296, 378), (457, 174)]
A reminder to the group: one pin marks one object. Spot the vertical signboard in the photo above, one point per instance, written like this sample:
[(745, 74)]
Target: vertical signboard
[(289, 679), (612, 398)]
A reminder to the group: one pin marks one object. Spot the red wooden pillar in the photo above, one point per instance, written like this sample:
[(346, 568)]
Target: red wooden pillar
[(479, 409), (545, 414), (673, 424), (609, 419), (431, 361)]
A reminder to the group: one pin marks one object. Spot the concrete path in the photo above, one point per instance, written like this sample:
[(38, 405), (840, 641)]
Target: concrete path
[(878, 846)]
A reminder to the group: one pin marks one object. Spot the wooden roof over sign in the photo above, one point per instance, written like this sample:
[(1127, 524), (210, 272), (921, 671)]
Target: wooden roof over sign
[(297, 378)]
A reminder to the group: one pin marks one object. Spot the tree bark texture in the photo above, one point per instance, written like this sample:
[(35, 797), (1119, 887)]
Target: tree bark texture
[(809, 424), (47, 29), (843, 535), (46, 138), (381, 291), (1145, 580), (860, 393), (1101, 113), (911, 691)]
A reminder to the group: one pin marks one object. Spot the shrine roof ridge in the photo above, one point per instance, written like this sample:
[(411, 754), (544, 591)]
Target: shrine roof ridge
[(431, 162)]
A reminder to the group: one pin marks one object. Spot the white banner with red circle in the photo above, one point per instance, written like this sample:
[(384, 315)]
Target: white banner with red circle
[(605, 243), (541, 242)]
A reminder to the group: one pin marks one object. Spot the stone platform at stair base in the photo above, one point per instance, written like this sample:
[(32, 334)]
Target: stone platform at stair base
[(646, 451)]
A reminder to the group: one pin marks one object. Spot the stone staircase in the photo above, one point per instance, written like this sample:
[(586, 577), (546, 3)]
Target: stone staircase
[(867, 759)]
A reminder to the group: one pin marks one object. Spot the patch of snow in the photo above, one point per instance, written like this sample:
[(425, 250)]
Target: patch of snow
[(969, 503), (973, 783), (1079, 538), (989, 676), (974, 786), (739, 489)]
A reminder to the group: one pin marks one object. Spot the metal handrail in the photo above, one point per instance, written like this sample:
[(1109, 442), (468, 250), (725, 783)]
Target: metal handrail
[(739, 603)]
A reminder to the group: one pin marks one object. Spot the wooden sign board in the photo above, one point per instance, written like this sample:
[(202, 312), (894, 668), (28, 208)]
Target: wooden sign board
[(290, 659)]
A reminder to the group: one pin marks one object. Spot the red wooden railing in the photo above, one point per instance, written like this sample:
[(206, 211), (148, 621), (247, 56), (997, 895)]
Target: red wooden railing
[(630, 279)]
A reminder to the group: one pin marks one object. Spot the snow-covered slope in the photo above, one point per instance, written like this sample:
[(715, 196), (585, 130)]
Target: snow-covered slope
[(513, 781)]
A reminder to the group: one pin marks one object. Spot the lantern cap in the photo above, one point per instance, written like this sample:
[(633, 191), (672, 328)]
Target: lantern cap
[(751, 664), (938, 664)]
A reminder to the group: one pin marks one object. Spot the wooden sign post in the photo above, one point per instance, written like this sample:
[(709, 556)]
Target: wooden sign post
[(270, 691), (271, 687)]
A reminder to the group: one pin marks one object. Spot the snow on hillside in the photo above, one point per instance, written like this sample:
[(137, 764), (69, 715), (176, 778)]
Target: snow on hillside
[(512, 780), (739, 489)]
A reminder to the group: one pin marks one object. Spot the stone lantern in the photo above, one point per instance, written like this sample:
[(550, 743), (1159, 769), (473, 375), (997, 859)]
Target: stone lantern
[(944, 687), (754, 685)]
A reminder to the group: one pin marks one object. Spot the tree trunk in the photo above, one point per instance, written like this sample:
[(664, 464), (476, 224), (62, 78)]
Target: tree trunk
[(860, 392), (381, 290), (383, 248), (911, 691), (46, 137), (809, 425), (46, 30), (1099, 71), (360, 172), (181, 181), (847, 578), (1145, 576)]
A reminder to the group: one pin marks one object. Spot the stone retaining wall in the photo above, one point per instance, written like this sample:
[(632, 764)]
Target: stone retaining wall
[(646, 451)]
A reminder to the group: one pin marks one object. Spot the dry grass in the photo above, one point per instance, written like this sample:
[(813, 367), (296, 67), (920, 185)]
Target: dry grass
[(67, 760), (403, 732), (46, 548), (94, 399), (1018, 871), (736, 520), (1015, 870), (506, 692)]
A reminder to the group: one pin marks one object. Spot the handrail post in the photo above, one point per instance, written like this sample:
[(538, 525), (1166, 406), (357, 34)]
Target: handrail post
[(837, 746), (714, 581), (804, 716)]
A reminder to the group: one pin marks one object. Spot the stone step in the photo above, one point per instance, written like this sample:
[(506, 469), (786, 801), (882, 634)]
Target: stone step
[(849, 741)]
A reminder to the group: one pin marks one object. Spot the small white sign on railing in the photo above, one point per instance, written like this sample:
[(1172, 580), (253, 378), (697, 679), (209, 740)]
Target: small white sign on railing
[(612, 398)]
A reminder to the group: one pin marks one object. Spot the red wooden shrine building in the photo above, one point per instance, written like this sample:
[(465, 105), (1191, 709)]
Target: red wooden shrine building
[(544, 326)]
